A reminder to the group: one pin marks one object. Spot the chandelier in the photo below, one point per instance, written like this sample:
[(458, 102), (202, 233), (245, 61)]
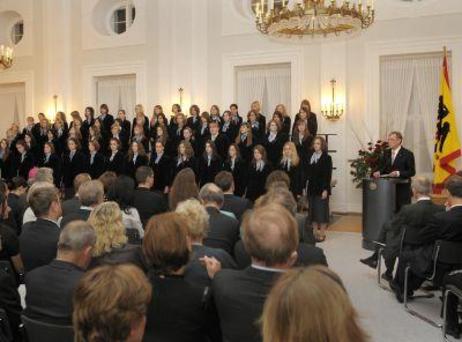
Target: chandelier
[(6, 57), (313, 17)]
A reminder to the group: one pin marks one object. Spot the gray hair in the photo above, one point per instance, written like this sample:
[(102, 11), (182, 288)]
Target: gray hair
[(196, 216), (422, 185), (211, 193), (44, 174), (76, 236), (91, 193)]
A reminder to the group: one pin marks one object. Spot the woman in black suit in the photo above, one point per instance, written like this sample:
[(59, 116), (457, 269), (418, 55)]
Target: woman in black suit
[(290, 164), (116, 160), (305, 113), (61, 135), (120, 134), (244, 142), (238, 167), (302, 139), (139, 137), (319, 175), (258, 171), (185, 159), (209, 164), (136, 157), (140, 119), (124, 123), (88, 122), (256, 108), (189, 137), (258, 132), (194, 121), (25, 160), (53, 161), (74, 162), (32, 146), (97, 162), (228, 128), (274, 142), (203, 133), (286, 122), (161, 164)]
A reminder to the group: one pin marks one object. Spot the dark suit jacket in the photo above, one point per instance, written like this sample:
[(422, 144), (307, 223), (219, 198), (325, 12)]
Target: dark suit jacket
[(223, 232), (256, 181), (10, 301), (18, 206), (239, 174), (98, 167), (239, 297), (80, 214), (274, 148), (131, 167), (236, 205), (207, 172), (127, 254), (49, 292), (117, 164), (24, 167), (443, 225), (38, 243), (319, 175), (162, 172), (148, 203), (54, 163), (107, 122), (70, 206), (71, 168), (222, 144)]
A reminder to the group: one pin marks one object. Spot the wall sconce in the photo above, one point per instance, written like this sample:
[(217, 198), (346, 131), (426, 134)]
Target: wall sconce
[(332, 110)]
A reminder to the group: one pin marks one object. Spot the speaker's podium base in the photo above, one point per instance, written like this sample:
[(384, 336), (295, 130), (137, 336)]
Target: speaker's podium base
[(379, 204)]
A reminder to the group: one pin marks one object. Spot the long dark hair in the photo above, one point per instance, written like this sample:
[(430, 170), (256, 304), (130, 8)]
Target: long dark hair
[(122, 191), (184, 187)]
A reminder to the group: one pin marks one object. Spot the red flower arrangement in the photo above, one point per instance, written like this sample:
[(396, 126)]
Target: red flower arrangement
[(367, 161)]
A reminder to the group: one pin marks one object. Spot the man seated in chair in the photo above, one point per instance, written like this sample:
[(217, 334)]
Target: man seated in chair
[(411, 217), (418, 244)]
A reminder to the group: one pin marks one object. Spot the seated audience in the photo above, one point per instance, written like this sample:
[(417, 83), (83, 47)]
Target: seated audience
[(183, 188), (108, 178), (110, 304), (73, 204), (310, 304), (17, 200), (44, 176), (223, 229), (90, 195), (232, 203), (179, 310), (412, 217), (50, 288), (147, 202), (10, 302), (112, 245), (271, 239), (198, 226), (39, 239)]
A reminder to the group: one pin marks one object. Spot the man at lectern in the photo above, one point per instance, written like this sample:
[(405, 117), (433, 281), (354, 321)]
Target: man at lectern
[(398, 162)]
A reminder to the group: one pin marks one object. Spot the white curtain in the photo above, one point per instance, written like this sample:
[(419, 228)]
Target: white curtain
[(118, 92), (269, 84), (12, 104)]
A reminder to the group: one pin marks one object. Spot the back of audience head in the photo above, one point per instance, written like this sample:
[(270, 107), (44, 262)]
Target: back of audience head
[(184, 187), (107, 178), (421, 186), (225, 181), (106, 220), (110, 304), (145, 176), (76, 242), (122, 191), (166, 243), (211, 195), (277, 179), (43, 198), (80, 179), (310, 304), (44, 174), (91, 193), (281, 196), (270, 236), (197, 218), (18, 185)]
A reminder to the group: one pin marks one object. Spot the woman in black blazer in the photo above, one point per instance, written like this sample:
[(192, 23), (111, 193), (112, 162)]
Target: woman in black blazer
[(189, 137), (256, 108), (209, 164), (185, 159), (116, 160), (258, 171), (290, 163), (125, 124), (139, 137), (24, 160), (136, 157), (203, 133), (161, 164), (274, 141), (229, 128), (74, 162), (53, 161), (244, 142), (286, 121), (120, 134), (305, 113), (302, 139), (238, 167), (32, 146), (319, 175), (97, 161), (258, 132), (87, 122), (140, 119)]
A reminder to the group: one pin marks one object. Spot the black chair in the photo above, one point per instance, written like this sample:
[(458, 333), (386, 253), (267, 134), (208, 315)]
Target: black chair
[(450, 289), (37, 331), (445, 253), (380, 248), (133, 236)]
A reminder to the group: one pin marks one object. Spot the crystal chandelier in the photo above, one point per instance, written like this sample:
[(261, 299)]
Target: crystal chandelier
[(313, 17), (6, 57)]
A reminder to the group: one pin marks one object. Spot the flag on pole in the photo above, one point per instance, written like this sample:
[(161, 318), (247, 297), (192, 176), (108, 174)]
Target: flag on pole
[(447, 143)]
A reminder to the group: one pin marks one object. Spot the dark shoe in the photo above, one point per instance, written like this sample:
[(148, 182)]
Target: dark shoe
[(397, 290), (388, 276), (371, 261), (454, 332)]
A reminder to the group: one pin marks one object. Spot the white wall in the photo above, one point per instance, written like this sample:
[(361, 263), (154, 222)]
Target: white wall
[(195, 44)]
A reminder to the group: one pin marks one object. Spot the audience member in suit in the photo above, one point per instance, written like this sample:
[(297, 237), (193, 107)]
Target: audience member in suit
[(198, 225), (72, 205), (112, 245), (161, 164), (25, 161), (398, 162), (147, 202), (74, 163), (184, 187), (10, 301), (232, 203), (39, 239), (90, 194), (274, 142), (106, 119), (51, 160), (97, 163), (271, 239), (418, 243), (210, 163), (256, 176), (238, 168), (50, 288), (116, 160), (219, 139), (179, 310), (110, 304), (17, 200), (319, 176), (136, 157), (223, 229), (412, 217)]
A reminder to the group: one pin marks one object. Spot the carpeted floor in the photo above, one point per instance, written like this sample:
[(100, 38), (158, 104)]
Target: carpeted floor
[(382, 316)]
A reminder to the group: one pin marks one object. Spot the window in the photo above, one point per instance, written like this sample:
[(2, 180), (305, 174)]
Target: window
[(17, 32), (123, 18)]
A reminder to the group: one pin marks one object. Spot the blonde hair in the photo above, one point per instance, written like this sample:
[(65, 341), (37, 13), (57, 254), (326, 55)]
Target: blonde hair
[(196, 216), (106, 220), (288, 311), (294, 158), (140, 108)]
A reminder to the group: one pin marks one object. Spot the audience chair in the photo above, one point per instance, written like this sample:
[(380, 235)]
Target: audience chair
[(133, 236), (450, 289), (380, 248), (445, 252), (37, 331)]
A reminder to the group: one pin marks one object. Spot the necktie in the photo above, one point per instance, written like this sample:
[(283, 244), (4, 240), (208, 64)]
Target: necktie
[(393, 156)]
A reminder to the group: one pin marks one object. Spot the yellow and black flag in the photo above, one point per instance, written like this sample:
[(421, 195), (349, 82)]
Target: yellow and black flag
[(447, 143)]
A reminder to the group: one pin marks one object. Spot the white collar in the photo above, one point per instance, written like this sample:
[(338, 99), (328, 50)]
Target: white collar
[(83, 207), (267, 269), (396, 151), (455, 206), (424, 198)]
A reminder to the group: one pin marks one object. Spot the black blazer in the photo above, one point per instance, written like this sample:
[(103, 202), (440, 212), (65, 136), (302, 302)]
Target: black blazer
[(10, 301), (286, 124), (54, 163), (404, 163), (295, 174), (162, 172), (201, 139), (70, 206), (124, 138), (98, 167), (85, 128), (80, 214), (191, 163), (131, 167), (149, 203), (274, 148), (126, 126), (127, 254), (223, 231), (145, 126), (107, 122), (25, 166), (117, 164), (304, 147), (239, 175), (246, 150), (207, 172), (312, 123), (38, 243), (222, 144), (319, 175), (236, 205), (50, 290), (194, 123), (256, 181), (71, 168), (231, 131)]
